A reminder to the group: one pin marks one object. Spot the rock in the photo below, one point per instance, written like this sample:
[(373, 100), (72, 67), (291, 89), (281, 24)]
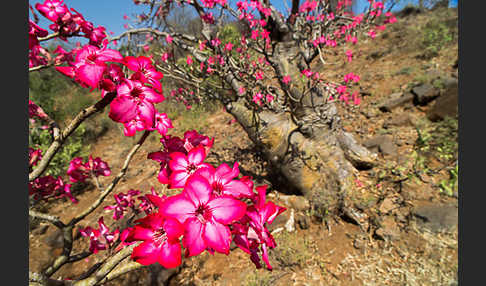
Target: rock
[(436, 217), (424, 94), (290, 224), (383, 142), (299, 203), (402, 119), (445, 105), (388, 229), (395, 100), (387, 205), (303, 221)]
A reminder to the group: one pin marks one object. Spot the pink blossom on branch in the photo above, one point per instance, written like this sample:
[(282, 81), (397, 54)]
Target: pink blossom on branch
[(160, 236), (204, 216)]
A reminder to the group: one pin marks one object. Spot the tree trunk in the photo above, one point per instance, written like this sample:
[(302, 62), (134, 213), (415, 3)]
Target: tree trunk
[(307, 145)]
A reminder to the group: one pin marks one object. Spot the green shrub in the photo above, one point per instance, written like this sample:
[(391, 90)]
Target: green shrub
[(434, 36)]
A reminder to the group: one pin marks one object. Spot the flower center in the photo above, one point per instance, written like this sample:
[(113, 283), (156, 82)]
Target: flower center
[(136, 92), (191, 168), (159, 236), (203, 214), (91, 58), (217, 188)]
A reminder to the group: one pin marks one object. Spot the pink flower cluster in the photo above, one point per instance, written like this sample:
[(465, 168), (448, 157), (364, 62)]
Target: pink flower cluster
[(210, 210), (100, 239), (122, 202), (68, 24), (47, 187), (79, 171)]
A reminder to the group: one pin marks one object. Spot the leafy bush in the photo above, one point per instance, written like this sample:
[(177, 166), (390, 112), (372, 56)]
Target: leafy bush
[(435, 35)]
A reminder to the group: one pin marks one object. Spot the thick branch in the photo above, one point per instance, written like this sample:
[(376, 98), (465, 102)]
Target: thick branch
[(66, 132)]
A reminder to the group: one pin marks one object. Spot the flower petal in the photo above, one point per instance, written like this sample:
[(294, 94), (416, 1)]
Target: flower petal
[(146, 253), (217, 236), (123, 109), (192, 240), (198, 190), (238, 189), (196, 155), (178, 207), (170, 255), (226, 209), (139, 233), (178, 179)]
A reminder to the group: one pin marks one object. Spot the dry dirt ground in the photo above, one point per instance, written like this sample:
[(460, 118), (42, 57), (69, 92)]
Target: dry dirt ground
[(410, 233)]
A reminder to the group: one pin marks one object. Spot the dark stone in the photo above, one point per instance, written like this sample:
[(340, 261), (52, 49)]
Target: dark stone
[(436, 217), (424, 94), (384, 143), (445, 105), (396, 100)]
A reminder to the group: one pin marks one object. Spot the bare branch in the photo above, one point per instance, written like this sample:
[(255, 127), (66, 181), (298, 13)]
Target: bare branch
[(50, 218), (36, 68), (115, 181), (48, 37)]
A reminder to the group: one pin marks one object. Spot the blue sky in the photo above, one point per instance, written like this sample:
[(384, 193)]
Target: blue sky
[(109, 13)]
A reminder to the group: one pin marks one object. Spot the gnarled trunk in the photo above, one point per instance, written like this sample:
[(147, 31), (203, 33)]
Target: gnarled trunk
[(307, 145)]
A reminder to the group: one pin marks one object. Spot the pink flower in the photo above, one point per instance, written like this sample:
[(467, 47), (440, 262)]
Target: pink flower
[(79, 171), (122, 202), (259, 75), (372, 33), (204, 216), (228, 46), (168, 38), (222, 183), (160, 236), (269, 98), (34, 156), (90, 64), (162, 123), (286, 79), (349, 54), (308, 73), (356, 98), (144, 71), (183, 166), (256, 233), (189, 60), (134, 99), (100, 239), (52, 9)]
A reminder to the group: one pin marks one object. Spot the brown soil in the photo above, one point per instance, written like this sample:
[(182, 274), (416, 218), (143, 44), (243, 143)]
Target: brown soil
[(333, 252)]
